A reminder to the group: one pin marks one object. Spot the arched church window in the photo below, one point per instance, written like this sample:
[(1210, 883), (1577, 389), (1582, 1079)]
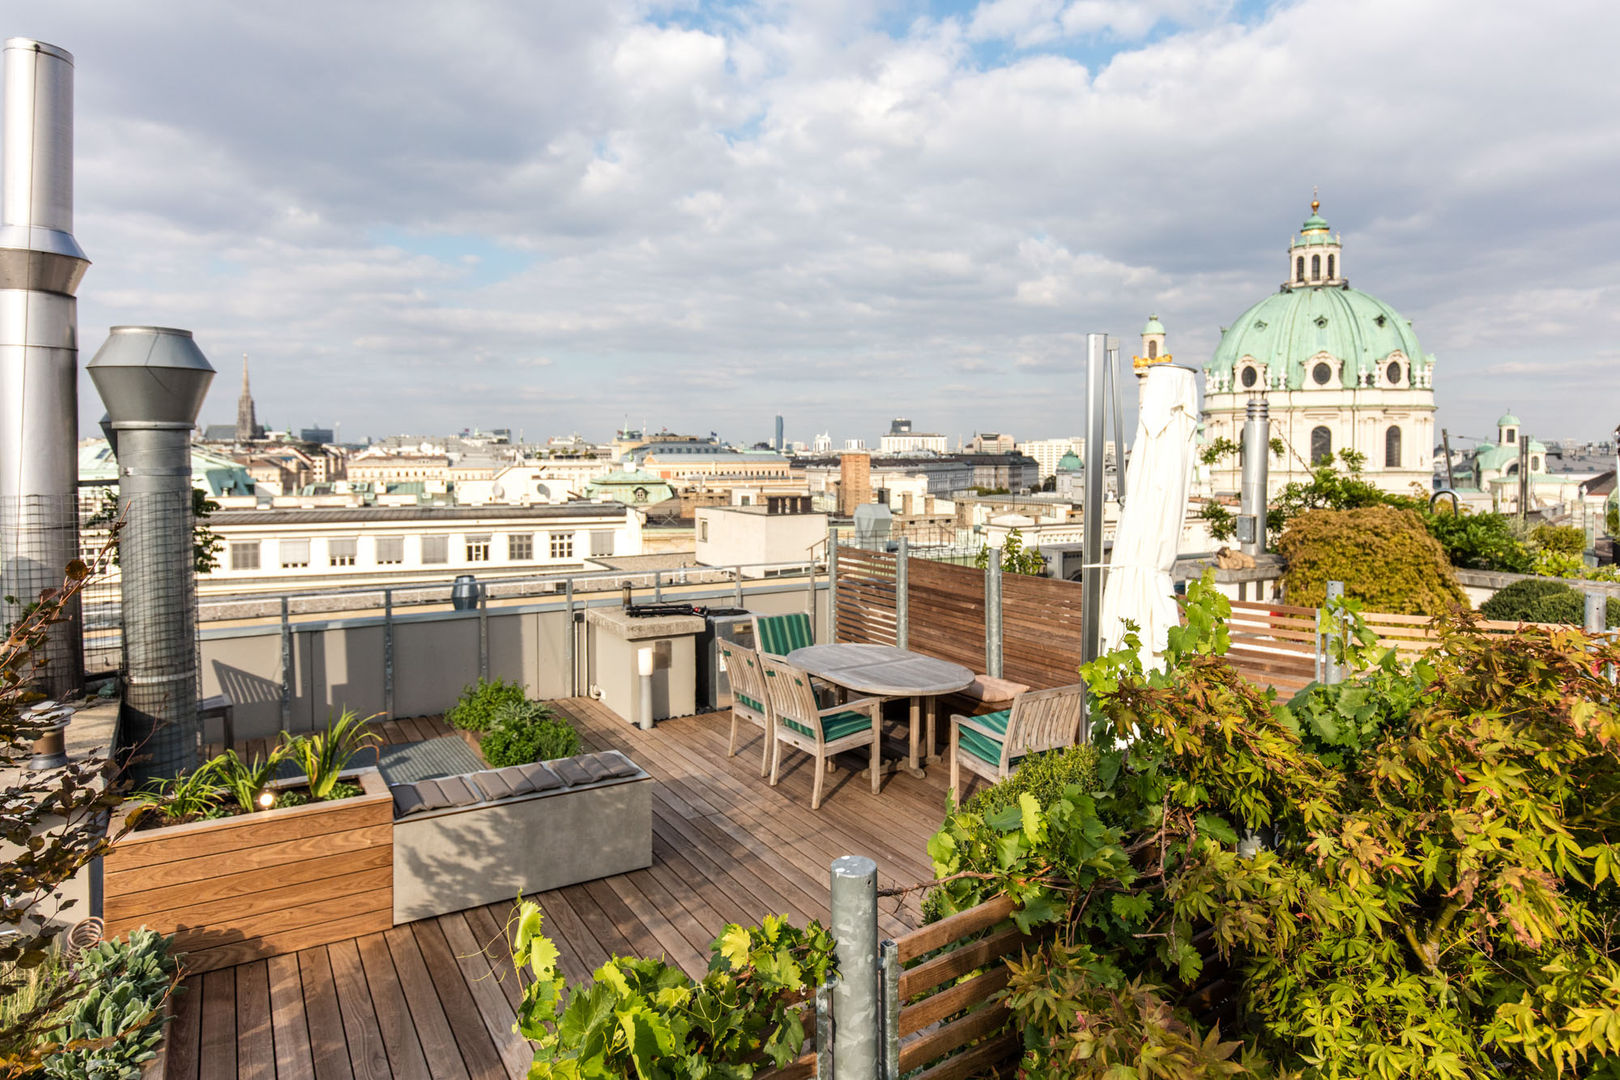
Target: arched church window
[(1250, 377), (1392, 447), (1393, 373), (1512, 469), (1153, 349), (1321, 445), (1322, 372), (1316, 268), (1330, 266), (1535, 464), (1299, 268)]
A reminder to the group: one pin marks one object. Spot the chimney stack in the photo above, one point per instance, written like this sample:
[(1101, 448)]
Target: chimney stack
[(41, 265)]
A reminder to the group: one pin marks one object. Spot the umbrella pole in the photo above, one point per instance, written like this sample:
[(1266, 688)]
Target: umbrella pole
[(1091, 577)]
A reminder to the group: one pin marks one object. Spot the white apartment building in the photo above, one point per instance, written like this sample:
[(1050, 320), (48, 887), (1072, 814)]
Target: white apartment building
[(328, 547), (1048, 452), (912, 442)]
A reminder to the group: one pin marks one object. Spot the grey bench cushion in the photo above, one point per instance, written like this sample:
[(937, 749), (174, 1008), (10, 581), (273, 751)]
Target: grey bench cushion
[(571, 772), (493, 785)]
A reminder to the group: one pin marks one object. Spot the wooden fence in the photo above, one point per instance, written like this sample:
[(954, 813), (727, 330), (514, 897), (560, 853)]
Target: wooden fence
[(1273, 644), (864, 596)]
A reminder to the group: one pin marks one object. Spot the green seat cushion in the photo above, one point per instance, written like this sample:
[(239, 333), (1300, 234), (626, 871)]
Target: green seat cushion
[(781, 634), (982, 746), (750, 702), (834, 726)]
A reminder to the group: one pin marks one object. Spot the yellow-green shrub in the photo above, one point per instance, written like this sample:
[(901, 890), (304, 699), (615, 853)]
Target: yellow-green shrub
[(1385, 557)]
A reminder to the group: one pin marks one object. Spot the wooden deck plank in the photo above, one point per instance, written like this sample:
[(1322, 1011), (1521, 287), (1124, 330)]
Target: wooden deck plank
[(491, 940), (479, 981), (328, 1048), (405, 1057), (288, 1022), (255, 1044), (439, 1045), (651, 934), (218, 1053), (368, 1057), (478, 1048), (181, 1060), (569, 961)]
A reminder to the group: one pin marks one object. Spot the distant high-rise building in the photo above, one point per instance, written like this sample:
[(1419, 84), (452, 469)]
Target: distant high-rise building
[(899, 426), (854, 482), (322, 435), (823, 444), (780, 445), (854, 444), (247, 422)]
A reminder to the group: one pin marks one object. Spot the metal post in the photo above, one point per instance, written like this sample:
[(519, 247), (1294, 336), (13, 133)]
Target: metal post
[(736, 587), (388, 653), (568, 639), (992, 614), (1256, 462), (286, 667), (902, 593), (658, 587), (1091, 577), (810, 583), (1332, 671), (832, 584), (1524, 474), (1445, 448), (824, 1028), (1119, 423), (1596, 602), (855, 944), (483, 631)]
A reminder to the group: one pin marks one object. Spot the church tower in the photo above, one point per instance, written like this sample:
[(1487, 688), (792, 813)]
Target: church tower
[(247, 423), (1153, 349)]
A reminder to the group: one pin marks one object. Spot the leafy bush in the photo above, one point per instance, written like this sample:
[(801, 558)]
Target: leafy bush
[(1437, 905), (1384, 556), (1045, 776), (525, 732), (1480, 541), (1559, 539), (476, 708), (189, 797), (119, 1021), (1015, 557), (246, 780), (1531, 600), (324, 755), (647, 1019)]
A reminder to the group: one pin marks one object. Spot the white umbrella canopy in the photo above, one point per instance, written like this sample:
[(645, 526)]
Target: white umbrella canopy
[(1157, 482)]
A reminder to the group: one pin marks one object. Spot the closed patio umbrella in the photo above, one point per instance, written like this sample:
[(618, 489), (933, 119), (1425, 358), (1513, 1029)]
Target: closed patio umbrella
[(1149, 533)]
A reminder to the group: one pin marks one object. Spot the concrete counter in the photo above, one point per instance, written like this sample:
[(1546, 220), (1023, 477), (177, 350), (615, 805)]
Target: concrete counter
[(613, 640)]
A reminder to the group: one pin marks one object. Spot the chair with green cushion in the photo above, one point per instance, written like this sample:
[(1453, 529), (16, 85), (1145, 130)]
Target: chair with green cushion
[(799, 721), (993, 745), (748, 698), (778, 635)]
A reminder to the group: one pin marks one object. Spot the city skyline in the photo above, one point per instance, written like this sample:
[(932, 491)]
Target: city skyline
[(414, 217)]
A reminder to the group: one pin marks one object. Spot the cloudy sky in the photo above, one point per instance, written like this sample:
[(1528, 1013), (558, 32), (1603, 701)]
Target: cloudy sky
[(420, 216)]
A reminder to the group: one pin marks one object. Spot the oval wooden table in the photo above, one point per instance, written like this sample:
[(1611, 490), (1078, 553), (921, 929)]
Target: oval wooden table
[(885, 671)]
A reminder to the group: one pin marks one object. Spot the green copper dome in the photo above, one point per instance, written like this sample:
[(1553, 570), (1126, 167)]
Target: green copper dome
[(1069, 462), (1154, 326), (1316, 222), (1508, 420), (1287, 329)]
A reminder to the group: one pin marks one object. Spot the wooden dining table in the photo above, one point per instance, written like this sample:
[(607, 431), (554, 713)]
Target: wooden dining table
[(885, 671)]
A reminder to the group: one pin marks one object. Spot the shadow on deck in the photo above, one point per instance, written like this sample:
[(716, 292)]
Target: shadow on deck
[(436, 998)]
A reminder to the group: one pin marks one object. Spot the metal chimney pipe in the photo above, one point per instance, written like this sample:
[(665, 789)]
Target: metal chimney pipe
[(41, 265), (1091, 521), (153, 380), (1256, 463)]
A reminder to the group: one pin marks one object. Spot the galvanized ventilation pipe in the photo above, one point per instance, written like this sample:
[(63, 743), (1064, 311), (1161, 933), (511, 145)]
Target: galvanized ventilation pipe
[(153, 380), (1256, 462), (41, 265)]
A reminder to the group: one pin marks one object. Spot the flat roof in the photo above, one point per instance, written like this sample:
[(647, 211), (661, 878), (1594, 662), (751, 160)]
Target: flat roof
[(318, 515)]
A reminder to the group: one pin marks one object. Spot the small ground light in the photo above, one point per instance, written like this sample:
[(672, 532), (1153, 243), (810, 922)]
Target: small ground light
[(267, 799)]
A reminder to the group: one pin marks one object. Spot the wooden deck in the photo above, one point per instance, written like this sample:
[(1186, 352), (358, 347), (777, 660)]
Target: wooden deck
[(435, 999)]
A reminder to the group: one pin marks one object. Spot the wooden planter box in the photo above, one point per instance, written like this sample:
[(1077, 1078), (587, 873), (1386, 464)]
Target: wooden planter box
[(257, 885)]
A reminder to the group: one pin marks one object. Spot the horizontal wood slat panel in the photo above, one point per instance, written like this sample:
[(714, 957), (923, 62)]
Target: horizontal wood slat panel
[(307, 937), (952, 1036), (261, 906), (936, 1007), (953, 928), (234, 862), (200, 938), (160, 845), (121, 906), (952, 965), (975, 1062)]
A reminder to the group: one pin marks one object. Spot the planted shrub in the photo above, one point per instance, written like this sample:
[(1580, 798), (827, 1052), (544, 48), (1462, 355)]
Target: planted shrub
[(323, 755), (1543, 601), (1481, 541), (1384, 556), (117, 1024), (476, 708), (525, 732)]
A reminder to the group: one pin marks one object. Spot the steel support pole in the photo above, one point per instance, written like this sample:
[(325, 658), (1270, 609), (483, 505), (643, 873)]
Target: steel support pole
[(832, 584), (856, 1003), (1256, 462), (736, 587), (889, 977), (286, 667), (568, 639), (483, 631), (388, 653), (1596, 602), (902, 594), (1332, 670), (658, 587), (992, 614), (810, 583), (1091, 577)]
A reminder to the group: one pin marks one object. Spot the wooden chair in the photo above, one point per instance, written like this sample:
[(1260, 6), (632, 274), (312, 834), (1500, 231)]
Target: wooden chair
[(748, 697), (802, 723), (993, 745), (778, 635)]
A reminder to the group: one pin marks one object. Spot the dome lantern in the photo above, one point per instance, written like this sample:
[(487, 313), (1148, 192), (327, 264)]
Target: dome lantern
[(1315, 257), (1153, 350)]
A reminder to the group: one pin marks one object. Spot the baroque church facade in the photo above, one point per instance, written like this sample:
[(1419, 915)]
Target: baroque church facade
[(1339, 369)]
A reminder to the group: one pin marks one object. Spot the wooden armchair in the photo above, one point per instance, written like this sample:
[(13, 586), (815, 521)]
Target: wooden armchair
[(993, 745), (749, 700), (800, 722), (778, 635)]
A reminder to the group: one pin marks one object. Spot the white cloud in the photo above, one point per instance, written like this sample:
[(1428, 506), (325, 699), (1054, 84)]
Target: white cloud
[(786, 207)]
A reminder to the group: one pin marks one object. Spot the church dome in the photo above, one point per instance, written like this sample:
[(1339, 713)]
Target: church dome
[(1069, 462), (1154, 326), (1286, 330), (1508, 420)]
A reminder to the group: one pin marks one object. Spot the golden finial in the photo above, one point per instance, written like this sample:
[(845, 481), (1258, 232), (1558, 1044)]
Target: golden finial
[(1316, 203)]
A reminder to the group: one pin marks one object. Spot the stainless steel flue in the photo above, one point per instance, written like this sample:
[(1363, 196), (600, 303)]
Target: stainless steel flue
[(41, 265), (1256, 462), (153, 380)]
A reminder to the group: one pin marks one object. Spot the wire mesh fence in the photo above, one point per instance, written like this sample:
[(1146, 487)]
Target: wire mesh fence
[(39, 537)]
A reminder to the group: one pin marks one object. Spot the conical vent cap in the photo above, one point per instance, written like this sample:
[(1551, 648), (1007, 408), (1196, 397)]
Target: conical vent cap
[(149, 374)]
